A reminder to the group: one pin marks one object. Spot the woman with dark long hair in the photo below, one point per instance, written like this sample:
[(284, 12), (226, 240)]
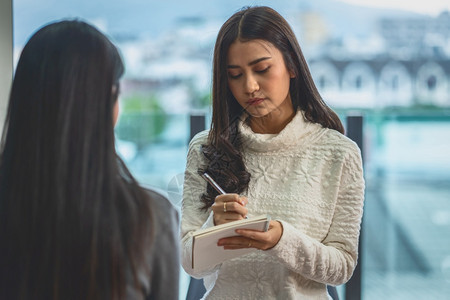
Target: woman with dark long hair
[(276, 148), (74, 223)]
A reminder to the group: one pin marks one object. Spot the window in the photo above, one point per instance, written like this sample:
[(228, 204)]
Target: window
[(401, 89)]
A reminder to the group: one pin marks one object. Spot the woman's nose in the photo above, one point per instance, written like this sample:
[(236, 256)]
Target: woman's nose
[(251, 84)]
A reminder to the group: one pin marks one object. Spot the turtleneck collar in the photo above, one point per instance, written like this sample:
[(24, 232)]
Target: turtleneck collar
[(297, 131)]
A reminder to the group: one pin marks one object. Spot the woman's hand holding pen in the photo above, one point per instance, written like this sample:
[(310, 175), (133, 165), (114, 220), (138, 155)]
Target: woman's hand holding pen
[(254, 239), (229, 207)]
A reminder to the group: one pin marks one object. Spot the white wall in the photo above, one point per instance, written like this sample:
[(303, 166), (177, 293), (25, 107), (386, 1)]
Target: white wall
[(6, 56)]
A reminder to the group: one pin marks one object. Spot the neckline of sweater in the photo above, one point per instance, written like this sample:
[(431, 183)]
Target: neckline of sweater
[(297, 132)]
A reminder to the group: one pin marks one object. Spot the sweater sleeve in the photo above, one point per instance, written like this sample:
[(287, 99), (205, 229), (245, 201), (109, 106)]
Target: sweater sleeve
[(333, 260), (193, 216)]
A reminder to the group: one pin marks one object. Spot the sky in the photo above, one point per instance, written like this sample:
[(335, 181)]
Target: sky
[(430, 7)]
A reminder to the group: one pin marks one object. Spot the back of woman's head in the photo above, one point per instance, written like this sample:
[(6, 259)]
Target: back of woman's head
[(264, 23), (66, 214), (62, 95)]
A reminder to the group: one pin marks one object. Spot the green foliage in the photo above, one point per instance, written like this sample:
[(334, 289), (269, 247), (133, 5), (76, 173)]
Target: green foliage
[(141, 121), (200, 99), (140, 104), (204, 100)]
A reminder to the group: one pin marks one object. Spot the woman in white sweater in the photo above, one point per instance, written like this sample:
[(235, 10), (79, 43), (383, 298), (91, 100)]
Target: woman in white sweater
[(277, 149)]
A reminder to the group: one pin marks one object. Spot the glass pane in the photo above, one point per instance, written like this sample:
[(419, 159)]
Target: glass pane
[(407, 219), (376, 57)]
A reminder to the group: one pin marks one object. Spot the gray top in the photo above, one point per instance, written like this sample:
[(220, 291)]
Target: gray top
[(162, 282)]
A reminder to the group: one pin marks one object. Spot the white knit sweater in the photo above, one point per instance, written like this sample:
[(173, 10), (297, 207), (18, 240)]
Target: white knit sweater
[(311, 180)]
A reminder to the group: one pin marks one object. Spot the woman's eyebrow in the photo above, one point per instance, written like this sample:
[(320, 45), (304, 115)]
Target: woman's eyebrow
[(253, 62)]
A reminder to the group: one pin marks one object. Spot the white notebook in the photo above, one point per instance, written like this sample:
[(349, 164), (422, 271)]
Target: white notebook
[(206, 253)]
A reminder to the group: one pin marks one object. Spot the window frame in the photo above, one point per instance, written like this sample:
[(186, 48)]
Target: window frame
[(6, 56)]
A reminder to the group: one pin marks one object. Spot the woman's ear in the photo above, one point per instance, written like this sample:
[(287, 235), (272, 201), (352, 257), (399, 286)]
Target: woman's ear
[(291, 74), (115, 112)]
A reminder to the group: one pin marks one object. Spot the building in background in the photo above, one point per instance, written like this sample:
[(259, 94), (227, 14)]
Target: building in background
[(404, 63)]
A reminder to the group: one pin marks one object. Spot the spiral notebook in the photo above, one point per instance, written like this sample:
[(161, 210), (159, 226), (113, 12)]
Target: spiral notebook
[(206, 253)]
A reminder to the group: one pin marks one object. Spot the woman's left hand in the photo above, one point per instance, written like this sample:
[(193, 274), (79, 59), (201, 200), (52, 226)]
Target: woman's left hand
[(253, 238)]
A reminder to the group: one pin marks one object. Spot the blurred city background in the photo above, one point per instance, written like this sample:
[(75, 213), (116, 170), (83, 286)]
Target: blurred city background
[(389, 62)]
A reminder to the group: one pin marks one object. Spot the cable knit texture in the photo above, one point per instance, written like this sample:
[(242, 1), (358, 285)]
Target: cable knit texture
[(310, 179)]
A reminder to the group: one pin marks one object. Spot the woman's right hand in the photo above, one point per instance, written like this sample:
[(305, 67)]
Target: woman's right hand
[(228, 208)]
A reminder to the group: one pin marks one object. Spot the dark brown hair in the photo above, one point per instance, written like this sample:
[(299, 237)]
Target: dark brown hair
[(223, 151)]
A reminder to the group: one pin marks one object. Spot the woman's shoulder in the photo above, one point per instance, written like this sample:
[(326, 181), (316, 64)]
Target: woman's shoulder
[(162, 210), (199, 139), (338, 142), (158, 200), (196, 143)]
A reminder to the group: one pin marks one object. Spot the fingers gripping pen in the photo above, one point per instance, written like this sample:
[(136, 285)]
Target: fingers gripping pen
[(215, 185)]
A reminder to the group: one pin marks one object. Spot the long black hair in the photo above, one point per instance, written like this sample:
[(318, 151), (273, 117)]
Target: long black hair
[(73, 222), (223, 150)]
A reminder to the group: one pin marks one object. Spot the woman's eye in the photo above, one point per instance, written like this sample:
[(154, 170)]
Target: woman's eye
[(234, 76), (262, 70)]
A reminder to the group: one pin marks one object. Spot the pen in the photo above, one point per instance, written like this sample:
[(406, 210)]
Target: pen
[(213, 183)]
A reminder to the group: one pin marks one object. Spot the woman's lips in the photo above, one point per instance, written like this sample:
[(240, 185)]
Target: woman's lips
[(255, 101)]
